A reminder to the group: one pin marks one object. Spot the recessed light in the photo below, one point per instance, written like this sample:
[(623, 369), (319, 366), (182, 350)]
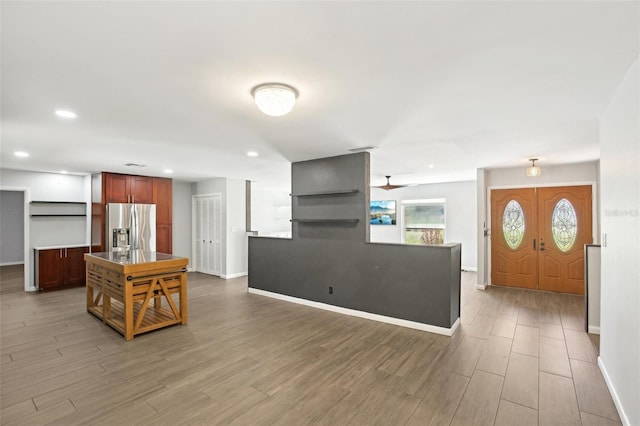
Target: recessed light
[(431, 166), (21, 154), (65, 113), (168, 171), (63, 172), (252, 154)]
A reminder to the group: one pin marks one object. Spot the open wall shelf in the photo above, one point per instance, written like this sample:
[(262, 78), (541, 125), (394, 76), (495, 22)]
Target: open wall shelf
[(321, 193), (326, 220), (58, 209)]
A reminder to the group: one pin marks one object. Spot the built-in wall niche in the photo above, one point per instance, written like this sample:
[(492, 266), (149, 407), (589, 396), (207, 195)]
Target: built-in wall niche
[(57, 208)]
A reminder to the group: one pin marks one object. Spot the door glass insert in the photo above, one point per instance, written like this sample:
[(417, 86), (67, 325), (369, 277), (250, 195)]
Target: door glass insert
[(513, 224), (564, 224)]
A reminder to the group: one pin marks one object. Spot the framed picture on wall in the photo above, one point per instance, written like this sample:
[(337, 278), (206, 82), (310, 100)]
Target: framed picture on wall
[(382, 212)]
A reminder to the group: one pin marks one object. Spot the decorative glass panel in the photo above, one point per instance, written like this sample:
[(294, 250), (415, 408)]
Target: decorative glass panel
[(564, 224), (513, 224)]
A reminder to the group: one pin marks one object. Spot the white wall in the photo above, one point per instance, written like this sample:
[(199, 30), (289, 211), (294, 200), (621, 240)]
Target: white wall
[(620, 273), (181, 216), (234, 237), (563, 174), (270, 212), (481, 227), (11, 227), (237, 239), (460, 215)]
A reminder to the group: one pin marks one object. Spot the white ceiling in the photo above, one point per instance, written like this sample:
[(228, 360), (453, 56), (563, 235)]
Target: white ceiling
[(460, 85)]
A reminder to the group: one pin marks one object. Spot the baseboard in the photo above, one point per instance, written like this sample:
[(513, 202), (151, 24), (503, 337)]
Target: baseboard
[(592, 329), (361, 314), (470, 268), (229, 276), (482, 287), (11, 263), (614, 394), (33, 289)]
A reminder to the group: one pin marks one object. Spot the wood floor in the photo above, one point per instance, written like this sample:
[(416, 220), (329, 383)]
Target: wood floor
[(519, 358)]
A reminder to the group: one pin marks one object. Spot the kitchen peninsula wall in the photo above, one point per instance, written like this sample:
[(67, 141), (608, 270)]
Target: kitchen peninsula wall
[(330, 261)]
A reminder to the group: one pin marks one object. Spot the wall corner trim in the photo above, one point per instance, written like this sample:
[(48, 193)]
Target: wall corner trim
[(614, 394), (366, 315)]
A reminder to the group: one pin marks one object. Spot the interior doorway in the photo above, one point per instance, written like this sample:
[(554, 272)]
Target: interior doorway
[(538, 237), (20, 195), (207, 233)]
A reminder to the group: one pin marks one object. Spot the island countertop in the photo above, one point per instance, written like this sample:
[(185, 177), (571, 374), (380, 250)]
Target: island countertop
[(134, 257)]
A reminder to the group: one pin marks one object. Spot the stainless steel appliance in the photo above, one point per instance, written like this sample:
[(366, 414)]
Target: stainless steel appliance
[(131, 227)]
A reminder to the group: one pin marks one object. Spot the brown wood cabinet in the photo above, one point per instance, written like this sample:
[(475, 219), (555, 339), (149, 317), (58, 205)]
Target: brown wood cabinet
[(60, 268), (127, 188), (119, 188), (162, 198)]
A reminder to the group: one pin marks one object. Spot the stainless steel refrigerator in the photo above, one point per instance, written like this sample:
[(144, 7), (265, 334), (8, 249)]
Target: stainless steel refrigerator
[(131, 227)]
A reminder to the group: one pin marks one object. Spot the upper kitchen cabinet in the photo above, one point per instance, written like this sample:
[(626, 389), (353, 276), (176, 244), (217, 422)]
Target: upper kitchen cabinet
[(127, 188), (162, 198)]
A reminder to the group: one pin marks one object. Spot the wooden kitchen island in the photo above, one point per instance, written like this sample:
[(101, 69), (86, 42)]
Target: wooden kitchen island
[(122, 284)]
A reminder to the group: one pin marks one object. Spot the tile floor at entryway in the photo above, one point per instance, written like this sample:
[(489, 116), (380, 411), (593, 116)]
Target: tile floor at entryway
[(520, 357)]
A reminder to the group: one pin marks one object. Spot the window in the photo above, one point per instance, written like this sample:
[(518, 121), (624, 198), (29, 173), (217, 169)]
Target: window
[(513, 223), (564, 224), (424, 221)]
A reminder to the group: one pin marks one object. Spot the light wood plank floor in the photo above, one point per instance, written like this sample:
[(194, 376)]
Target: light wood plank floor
[(519, 358)]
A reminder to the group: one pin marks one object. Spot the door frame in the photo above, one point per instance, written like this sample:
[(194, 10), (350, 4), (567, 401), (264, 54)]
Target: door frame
[(194, 219), (26, 223), (594, 212)]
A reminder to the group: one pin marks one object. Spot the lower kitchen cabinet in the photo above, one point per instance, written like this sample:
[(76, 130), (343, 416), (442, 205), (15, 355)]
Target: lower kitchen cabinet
[(58, 268)]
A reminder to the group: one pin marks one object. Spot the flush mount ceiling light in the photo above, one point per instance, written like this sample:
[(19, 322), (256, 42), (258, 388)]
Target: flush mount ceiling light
[(21, 154), (533, 170), (252, 154), (274, 99), (62, 113)]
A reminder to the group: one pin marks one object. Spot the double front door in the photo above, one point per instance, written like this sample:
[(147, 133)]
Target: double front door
[(538, 237)]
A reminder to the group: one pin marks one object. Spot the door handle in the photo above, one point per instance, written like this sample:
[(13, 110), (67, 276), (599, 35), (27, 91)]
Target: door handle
[(534, 243), (541, 245)]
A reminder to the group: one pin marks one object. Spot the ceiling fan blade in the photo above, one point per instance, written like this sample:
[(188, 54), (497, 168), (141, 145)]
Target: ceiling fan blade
[(388, 186)]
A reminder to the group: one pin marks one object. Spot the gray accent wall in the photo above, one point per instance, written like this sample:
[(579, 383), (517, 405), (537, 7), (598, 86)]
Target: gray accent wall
[(11, 227), (329, 248)]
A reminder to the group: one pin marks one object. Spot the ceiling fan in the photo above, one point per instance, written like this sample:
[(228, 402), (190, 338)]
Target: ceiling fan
[(388, 186)]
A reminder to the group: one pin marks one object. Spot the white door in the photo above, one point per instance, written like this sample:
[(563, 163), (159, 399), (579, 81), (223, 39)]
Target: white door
[(208, 234)]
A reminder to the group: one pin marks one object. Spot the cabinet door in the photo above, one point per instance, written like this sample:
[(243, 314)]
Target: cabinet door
[(74, 266), (115, 188), (50, 268), (162, 198), (141, 189), (163, 239)]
